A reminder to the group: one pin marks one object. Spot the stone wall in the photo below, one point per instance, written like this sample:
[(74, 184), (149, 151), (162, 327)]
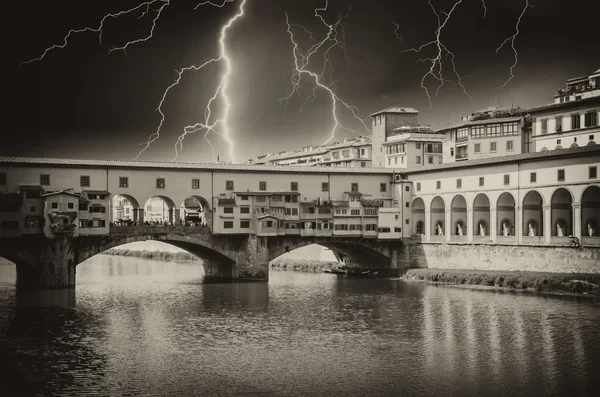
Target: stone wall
[(502, 258)]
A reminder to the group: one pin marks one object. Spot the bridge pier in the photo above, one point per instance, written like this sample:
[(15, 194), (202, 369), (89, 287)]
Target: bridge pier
[(43, 263), (252, 262)]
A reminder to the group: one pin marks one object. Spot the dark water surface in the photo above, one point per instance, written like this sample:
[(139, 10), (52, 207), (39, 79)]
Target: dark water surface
[(141, 327)]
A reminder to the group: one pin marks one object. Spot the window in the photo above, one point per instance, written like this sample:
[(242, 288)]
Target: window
[(407, 188), (84, 181), (244, 210), (383, 187), (418, 145), (123, 181), (384, 230), (362, 152), (324, 187), (438, 185), (507, 179), (294, 186), (575, 122), (83, 206), (244, 198), (558, 141), (354, 212), (228, 225), (544, 126), (558, 123), (493, 147), (430, 159), (195, 183), (510, 128), (228, 210), (70, 206), (261, 199), (458, 183), (591, 119), (533, 177), (160, 183), (407, 204), (354, 187), (478, 148), (561, 175), (418, 160), (478, 131), (244, 224), (262, 186), (44, 179), (593, 172), (228, 185), (481, 181), (418, 186), (462, 134), (2, 178), (451, 151), (591, 137), (363, 164), (54, 206), (276, 198), (509, 146)]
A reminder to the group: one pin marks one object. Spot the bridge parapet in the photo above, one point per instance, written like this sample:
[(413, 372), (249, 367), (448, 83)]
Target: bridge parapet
[(158, 229)]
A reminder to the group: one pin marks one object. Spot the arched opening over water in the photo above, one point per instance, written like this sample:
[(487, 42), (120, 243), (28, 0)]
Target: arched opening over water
[(481, 215), (8, 272), (195, 210), (590, 212), (124, 209), (312, 257), (562, 213), (459, 216), (438, 213), (505, 215), (160, 210), (418, 214), (533, 214)]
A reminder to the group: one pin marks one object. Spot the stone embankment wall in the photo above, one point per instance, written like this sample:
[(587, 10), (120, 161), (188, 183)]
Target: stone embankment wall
[(502, 258)]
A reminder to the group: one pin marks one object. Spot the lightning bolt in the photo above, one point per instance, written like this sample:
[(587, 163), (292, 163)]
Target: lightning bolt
[(396, 32), (335, 38), (437, 63), (220, 92), (147, 5), (512, 44), (484, 8)]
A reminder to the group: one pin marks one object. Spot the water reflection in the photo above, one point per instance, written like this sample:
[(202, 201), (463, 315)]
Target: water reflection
[(145, 327)]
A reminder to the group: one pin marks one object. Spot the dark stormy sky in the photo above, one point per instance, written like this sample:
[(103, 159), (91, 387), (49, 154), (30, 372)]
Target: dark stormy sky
[(82, 102)]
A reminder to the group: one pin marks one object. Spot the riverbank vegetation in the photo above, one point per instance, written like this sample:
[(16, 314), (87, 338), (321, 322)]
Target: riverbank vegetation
[(154, 255), (573, 283), (301, 265)]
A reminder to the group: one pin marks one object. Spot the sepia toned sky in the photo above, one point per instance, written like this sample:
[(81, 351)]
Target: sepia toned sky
[(83, 102)]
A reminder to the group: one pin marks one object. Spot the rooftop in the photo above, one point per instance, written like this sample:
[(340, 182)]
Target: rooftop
[(524, 157), (396, 110), (183, 166), (481, 122), (566, 105)]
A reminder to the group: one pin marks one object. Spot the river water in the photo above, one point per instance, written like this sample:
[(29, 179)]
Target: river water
[(142, 327)]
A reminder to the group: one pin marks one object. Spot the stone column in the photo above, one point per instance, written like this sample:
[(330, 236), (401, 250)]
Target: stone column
[(577, 220), (519, 225), (135, 214), (547, 223), (45, 263), (447, 225), (177, 216), (470, 226), (493, 224), (427, 225), (171, 215), (140, 215)]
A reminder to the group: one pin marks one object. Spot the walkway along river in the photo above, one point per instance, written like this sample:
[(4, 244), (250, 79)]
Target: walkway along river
[(142, 327)]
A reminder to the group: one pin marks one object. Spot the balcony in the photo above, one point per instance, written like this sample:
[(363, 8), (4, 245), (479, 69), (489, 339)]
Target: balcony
[(462, 156), (59, 228)]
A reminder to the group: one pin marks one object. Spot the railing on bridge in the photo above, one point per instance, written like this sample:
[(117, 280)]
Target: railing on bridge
[(153, 229)]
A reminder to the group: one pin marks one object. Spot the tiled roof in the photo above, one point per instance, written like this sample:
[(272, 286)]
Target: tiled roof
[(586, 150), (95, 192), (61, 192), (570, 104), (396, 110), (31, 187), (480, 122), (62, 162)]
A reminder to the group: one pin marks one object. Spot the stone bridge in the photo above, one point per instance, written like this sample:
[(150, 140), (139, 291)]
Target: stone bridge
[(51, 263)]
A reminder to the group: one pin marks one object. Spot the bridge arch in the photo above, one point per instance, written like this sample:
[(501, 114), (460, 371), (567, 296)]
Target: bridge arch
[(481, 215), (124, 207), (438, 214), (418, 214), (505, 215), (458, 210), (562, 213), (195, 209), (590, 211)]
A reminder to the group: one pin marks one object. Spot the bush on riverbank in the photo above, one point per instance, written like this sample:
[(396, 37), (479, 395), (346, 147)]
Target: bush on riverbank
[(301, 265), (155, 255), (541, 282)]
